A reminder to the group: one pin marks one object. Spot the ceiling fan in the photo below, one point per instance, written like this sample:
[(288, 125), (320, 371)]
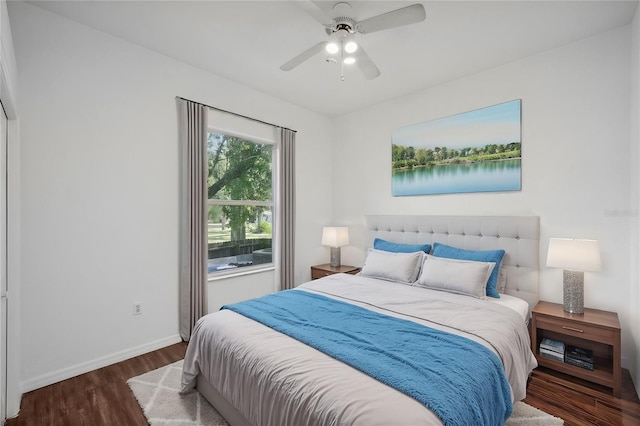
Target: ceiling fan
[(341, 28)]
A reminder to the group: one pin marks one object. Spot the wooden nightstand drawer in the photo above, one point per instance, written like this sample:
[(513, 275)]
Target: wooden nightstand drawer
[(321, 271), (318, 273), (577, 329)]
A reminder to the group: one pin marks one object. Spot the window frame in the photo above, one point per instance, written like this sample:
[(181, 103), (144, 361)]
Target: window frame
[(275, 174)]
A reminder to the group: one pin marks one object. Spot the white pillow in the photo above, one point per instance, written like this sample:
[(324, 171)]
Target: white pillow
[(398, 267), (455, 275)]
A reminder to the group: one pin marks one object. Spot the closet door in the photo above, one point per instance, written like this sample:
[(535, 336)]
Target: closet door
[(3, 265)]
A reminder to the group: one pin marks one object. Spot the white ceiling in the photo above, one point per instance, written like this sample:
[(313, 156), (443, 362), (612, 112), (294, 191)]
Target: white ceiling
[(247, 41)]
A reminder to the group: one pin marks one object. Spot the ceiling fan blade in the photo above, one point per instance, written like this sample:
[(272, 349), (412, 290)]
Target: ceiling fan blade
[(314, 11), (406, 15), (365, 64), (307, 54)]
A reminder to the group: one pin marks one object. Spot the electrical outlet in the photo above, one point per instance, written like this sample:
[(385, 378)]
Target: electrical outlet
[(137, 308)]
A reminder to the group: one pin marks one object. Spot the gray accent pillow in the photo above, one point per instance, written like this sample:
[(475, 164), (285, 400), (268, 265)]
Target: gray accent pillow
[(466, 277)]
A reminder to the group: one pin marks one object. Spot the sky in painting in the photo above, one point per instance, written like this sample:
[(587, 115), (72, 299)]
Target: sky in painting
[(497, 124)]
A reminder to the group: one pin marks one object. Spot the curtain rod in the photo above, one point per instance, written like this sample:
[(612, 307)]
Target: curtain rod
[(236, 114)]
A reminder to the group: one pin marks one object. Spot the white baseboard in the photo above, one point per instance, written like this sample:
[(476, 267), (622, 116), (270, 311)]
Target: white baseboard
[(76, 370)]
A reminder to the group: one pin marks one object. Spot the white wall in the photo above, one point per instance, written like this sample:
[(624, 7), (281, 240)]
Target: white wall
[(575, 167), (635, 189), (99, 177)]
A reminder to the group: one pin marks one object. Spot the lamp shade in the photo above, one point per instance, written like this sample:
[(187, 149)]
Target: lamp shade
[(335, 236), (576, 255)]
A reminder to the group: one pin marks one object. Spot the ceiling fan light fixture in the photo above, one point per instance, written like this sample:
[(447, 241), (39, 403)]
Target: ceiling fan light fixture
[(349, 60), (332, 48), (351, 46)]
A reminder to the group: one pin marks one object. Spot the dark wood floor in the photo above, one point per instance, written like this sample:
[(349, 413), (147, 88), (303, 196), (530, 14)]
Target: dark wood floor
[(579, 403), (102, 397)]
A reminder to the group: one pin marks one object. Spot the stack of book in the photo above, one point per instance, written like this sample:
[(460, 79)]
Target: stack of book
[(579, 357), (552, 349)]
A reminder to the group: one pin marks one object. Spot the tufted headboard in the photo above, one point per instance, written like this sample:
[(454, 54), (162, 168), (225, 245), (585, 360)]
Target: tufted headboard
[(518, 236)]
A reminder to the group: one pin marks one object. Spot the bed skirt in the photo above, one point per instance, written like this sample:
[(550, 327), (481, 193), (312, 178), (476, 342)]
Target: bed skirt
[(220, 403)]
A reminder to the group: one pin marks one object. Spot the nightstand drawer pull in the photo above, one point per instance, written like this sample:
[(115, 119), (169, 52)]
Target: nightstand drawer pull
[(573, 329)]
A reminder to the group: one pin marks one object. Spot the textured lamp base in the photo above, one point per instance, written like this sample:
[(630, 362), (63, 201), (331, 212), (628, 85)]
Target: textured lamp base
[(335, 257), (573, 291)]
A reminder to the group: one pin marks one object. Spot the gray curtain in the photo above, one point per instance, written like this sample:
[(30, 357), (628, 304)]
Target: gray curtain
[(192, 131), (287, 208)]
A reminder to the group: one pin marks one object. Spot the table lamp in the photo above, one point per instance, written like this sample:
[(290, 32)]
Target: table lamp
[(335, 237), (575, 257)]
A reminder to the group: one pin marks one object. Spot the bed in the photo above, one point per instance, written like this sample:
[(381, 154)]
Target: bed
[(250, 362)]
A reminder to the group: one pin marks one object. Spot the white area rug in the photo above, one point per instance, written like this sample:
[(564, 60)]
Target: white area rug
[(157, 393)]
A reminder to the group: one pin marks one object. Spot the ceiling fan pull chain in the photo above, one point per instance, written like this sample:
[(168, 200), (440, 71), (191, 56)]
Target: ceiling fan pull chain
[(342, 59)]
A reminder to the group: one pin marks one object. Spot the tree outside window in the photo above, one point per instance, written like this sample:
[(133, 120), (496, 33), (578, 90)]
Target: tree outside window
[(240, 199)]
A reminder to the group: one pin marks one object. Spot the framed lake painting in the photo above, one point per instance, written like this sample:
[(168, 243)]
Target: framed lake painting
[(475, 151)]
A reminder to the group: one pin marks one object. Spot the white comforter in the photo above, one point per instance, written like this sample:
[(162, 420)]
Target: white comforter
[(273, 379)]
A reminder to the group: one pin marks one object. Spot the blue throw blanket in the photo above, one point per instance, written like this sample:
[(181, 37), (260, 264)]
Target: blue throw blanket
[(458, 379)]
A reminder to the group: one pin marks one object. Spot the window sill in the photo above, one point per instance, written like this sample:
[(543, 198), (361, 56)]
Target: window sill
[(248, 270)]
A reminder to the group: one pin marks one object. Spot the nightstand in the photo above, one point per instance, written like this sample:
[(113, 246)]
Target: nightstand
[(595, 330), (324, 270)]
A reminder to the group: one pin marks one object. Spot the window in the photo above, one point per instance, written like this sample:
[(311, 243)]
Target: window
[(240, 201)]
